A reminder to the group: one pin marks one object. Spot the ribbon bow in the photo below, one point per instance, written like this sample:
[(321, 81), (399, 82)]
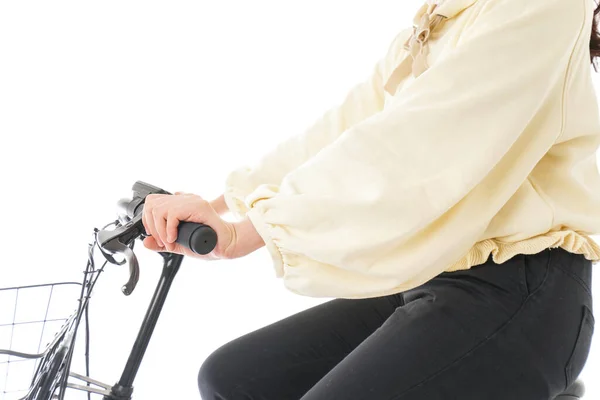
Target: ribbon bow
[(415, 60)]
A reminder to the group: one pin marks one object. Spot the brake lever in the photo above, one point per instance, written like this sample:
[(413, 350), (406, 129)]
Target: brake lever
[(117, 241), (131, 228)]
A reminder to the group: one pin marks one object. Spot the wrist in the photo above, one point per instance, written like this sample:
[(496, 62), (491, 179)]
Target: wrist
[(219, 205), (248, 238)]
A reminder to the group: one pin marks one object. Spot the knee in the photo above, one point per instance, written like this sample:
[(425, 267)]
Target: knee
[(209, 379), (214, 377)]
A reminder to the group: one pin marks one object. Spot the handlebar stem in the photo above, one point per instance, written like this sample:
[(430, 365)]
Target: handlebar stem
[(124, 388)]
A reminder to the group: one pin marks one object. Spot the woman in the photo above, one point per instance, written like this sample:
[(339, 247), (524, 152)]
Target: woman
[(446, 204)]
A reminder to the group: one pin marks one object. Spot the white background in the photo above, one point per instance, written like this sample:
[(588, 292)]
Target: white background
[(97, 95)]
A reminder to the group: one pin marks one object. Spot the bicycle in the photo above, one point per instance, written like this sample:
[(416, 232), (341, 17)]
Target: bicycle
[(52, 372)]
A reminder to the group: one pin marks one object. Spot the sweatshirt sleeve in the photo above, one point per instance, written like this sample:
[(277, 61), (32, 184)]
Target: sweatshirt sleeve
[(363, 100), (400, 196)]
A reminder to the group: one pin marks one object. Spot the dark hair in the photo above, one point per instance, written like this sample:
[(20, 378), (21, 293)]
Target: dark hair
[(595, 39)]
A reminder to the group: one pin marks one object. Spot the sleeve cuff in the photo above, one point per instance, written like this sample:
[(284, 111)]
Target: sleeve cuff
[(236, 190), (234, 202), (263, 228)]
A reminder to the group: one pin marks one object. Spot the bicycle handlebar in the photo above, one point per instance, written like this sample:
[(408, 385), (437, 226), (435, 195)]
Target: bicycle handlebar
[(199, 238)]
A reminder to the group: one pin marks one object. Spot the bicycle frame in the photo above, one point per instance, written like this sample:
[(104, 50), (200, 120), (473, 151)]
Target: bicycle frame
[(123, 389)]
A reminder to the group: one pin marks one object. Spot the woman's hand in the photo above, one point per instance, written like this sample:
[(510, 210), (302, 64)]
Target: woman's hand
[(161, 216)]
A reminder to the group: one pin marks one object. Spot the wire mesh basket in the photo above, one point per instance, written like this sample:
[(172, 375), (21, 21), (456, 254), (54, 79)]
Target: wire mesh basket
[(37, 325)]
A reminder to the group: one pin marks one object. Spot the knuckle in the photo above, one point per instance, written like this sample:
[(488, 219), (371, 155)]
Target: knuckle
[(171, 216)]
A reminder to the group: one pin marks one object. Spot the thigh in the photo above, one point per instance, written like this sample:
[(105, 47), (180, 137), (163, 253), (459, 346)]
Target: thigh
[(536, 353), (284, 359), (483, 333)]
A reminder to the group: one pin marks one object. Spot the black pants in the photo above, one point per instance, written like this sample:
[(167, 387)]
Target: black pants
[(520, 330)]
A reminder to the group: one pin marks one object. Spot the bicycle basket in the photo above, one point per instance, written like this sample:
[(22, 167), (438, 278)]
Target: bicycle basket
[(37, 325)]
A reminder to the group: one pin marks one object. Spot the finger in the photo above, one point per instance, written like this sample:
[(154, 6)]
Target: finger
[(151, 198), (181, 193), (145, 223), (160, 224), (146, 213), (150, 243), (179, 249), (150, 223), (194, 209), (172, 225)]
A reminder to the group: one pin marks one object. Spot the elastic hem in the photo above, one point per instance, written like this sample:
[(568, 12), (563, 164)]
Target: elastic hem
[(569, 240), (264, 230)]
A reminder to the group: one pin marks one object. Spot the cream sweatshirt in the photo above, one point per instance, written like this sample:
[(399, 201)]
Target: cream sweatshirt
[(476, 134)]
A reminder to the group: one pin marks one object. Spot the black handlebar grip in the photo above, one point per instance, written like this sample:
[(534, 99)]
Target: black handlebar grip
[(199, 238)]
